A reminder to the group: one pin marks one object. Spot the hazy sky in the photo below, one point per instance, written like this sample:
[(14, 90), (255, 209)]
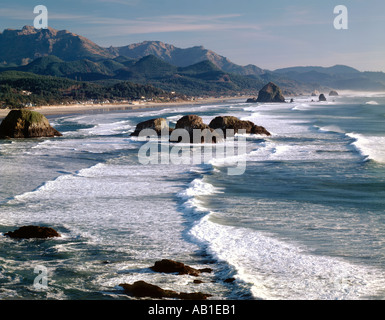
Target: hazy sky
[(270, 34)]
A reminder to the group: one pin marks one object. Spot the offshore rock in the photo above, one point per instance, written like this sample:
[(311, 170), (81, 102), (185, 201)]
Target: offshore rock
[(251, 100), (322, 97), (233, 123), (26, 124), (33, 232), (142, 289), (192, 123), (171, 266), (270, 93), (158, 124), (333, 93)]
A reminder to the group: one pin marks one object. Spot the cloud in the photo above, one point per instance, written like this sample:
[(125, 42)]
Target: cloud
[(169, 23)]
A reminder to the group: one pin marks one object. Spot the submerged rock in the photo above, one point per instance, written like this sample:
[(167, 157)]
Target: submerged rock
[(26, 124), (141, 289), (270, 93), (30, 232), (322, 97), (171, 266), (233, 123), (158, 125)]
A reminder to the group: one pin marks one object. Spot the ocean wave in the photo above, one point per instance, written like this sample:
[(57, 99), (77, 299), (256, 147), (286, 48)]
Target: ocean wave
[(331, 128), (372, 103), (279, 270), (370, 147), (197, 188)]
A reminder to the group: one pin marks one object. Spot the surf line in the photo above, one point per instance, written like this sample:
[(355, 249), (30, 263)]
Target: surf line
[(185, 147)]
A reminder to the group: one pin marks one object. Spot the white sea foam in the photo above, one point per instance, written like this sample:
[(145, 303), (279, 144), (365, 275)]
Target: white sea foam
[(196, 189), (278, 270), (372, 103), (301, 106), (371, 147), (331, 128)]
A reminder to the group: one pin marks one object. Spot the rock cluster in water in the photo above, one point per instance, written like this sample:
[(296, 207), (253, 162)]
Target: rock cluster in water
[(142, 289), (209, 133), (26, 124)]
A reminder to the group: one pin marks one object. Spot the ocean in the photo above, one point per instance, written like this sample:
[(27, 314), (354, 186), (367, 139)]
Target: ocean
[(304, 221)]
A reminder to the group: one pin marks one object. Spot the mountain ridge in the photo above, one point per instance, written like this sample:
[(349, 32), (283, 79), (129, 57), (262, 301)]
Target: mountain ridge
[(85, 60)]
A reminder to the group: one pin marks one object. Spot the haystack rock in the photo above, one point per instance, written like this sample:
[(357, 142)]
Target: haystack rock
[(159, 125), (233, 123), (193, 123), (270, 93), (333, 93), (322, 97), (33, 232), (26, 124)]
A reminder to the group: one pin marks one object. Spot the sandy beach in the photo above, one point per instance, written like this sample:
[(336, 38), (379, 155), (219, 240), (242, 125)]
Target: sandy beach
[(82, 108)]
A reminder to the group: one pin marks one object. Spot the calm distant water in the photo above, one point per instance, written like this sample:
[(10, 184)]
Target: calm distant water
[(305, 221)]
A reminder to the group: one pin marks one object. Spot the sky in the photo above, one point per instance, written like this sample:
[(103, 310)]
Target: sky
[(269, 34)]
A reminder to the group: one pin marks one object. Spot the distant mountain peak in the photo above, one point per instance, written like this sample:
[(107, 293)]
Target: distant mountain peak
[(20, 47), (182, 57), (25, 45)]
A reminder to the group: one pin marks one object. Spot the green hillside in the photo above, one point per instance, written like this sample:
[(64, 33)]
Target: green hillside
[(203, 78), (20, 88)]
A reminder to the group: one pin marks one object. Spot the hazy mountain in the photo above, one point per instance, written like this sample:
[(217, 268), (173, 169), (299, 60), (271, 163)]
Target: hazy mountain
[(337, 69), (65, 54), (23, 46), (183, 57), (337, 77)]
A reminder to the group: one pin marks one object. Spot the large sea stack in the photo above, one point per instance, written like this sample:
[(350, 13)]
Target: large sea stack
[(322, 97), (26, 124), (270, 93)]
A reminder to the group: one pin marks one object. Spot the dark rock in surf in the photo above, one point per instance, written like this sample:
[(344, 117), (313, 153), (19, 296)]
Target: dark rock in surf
[(171, 266), (159, 125), (251, 100), (33, 232), (26, 124), (270, 93), (322, 97), (233, 123), (333, 93), (198, 131), (142, 289)]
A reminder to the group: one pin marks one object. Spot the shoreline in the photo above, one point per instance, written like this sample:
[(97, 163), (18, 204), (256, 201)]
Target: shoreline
[(84, 108)]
